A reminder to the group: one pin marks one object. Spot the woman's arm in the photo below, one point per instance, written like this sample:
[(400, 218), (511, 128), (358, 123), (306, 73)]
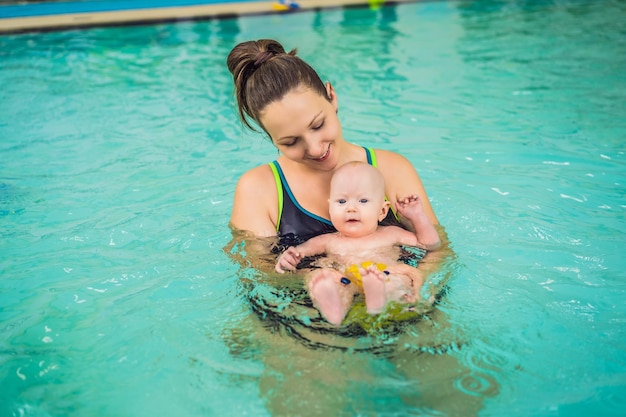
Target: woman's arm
[(255, 206), (253, 219), (401, 179)]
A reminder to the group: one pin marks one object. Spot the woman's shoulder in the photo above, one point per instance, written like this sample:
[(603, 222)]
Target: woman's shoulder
[(256, 187), (255, 202), (257, 177), (392, 163)]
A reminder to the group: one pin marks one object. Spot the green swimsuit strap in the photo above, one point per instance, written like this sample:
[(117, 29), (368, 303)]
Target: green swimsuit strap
[(371, 157), (279, 187)]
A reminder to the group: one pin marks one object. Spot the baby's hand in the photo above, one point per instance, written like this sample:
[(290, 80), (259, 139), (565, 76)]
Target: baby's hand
[(288, 260), (410, 206)]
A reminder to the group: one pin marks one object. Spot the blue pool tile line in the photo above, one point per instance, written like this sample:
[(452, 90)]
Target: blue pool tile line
[(57, 8)]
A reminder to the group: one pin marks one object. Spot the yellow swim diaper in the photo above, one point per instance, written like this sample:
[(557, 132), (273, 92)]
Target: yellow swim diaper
[(352, 272)]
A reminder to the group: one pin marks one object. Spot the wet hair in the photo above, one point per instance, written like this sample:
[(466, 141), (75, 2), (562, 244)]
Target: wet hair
[(264, 73)]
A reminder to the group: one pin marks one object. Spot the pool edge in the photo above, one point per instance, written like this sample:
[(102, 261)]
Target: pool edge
[(69, 21)]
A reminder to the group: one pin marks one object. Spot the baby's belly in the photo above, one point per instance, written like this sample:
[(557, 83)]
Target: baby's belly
[(387, 255)]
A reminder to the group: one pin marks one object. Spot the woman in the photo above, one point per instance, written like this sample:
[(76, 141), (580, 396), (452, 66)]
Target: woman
[(286, 98)]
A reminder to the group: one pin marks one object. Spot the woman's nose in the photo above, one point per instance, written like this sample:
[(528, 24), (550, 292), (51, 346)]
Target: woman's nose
[(316, 148)]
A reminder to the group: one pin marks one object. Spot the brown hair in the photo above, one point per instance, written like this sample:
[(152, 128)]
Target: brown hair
[(264, 73)]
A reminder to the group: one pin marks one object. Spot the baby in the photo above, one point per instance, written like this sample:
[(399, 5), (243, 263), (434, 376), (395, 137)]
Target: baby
[(362, 256)]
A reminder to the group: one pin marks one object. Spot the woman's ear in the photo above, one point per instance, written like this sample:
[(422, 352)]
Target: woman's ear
[(384, 210), (332, 95)]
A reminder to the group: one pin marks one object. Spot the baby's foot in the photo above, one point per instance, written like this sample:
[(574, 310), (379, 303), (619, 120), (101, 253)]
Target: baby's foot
[(325, 292), (374, 289)]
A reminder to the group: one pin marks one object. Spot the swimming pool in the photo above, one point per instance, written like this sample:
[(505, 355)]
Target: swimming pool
[(120, 151)]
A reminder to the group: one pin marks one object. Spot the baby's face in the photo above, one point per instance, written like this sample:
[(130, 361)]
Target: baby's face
[(357, 203)]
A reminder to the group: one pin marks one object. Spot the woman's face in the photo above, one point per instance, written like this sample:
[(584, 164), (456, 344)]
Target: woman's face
[(304, 127)]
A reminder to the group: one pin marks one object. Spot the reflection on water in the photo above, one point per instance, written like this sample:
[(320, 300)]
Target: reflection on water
[(394, 362)]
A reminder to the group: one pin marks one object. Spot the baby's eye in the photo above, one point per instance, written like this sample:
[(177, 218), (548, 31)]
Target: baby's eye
[(341, 201), (363, 200)]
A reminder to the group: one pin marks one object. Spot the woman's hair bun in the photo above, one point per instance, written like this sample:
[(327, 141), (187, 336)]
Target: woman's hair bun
[(263, 73), (263, 57)]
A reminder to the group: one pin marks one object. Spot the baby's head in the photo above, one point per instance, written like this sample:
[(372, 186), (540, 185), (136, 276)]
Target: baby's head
[(357, 199)]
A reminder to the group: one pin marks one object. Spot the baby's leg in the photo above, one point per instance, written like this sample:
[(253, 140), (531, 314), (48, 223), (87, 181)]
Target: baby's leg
[(330, 296), (374, 289)]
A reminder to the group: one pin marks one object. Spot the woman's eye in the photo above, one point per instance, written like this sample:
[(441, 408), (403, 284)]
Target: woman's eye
[(319, 126)]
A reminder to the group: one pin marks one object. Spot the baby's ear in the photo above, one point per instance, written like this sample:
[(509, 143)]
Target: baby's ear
[(384, 210)]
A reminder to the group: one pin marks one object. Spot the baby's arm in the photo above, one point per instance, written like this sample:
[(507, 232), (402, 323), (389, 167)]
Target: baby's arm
[(425, 232), (290, 258)]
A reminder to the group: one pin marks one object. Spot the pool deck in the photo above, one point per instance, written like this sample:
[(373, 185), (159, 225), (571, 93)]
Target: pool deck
[(33, 17)]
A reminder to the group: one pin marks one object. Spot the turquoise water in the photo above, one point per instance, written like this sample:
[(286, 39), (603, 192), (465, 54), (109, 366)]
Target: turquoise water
[(120, 150)]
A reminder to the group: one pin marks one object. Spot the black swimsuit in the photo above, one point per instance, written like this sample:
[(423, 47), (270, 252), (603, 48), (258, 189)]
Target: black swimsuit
[(299, 224)]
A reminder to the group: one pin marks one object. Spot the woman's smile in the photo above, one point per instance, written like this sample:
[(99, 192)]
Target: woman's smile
[(324, 155)]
